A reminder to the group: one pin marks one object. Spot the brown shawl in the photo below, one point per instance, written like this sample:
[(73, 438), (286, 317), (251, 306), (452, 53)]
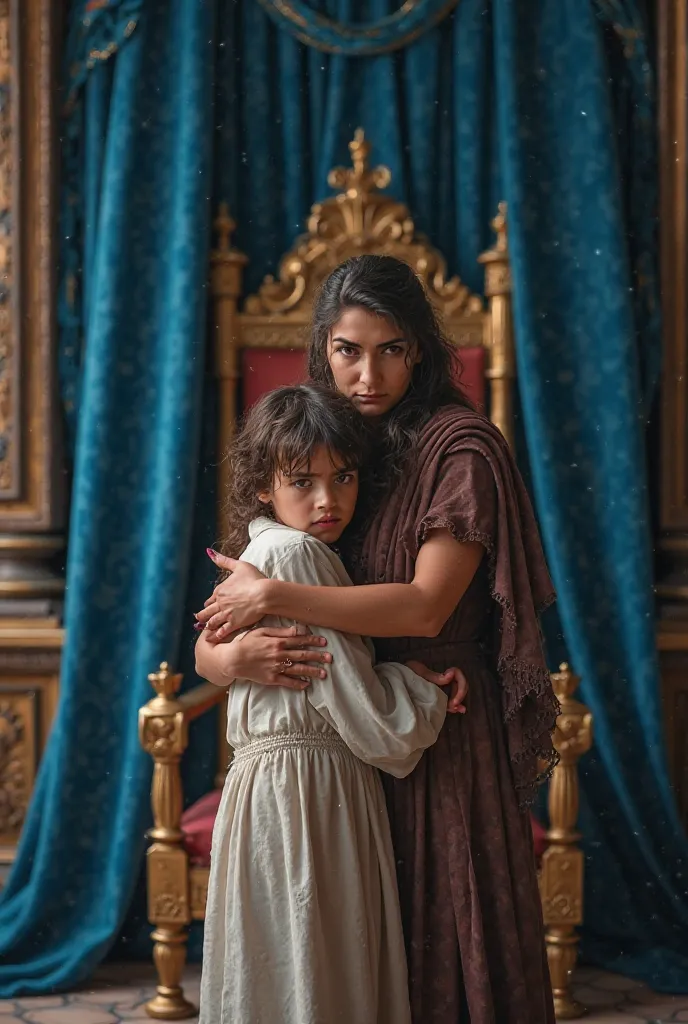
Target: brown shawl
[(520, 582)]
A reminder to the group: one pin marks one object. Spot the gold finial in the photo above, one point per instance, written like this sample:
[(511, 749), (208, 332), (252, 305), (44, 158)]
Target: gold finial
[(164, 682), (359, 180), (224, 228), (360, 151), (565, 682), (499, 228)]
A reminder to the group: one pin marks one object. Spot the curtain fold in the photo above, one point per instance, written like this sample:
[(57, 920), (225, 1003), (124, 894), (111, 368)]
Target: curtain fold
[(362, 37), (143, 148)]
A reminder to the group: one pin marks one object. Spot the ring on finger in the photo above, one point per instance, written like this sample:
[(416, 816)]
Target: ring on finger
[(287, 663)]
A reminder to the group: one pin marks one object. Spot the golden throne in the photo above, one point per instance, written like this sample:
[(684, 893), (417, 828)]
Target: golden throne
[(255, 350)]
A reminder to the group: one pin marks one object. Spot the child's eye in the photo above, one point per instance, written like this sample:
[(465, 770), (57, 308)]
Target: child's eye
[(346, 478), (301, 483)]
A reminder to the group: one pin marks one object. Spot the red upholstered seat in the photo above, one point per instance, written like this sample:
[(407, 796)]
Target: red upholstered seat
[(539, 838), (198, 821), (264, 369), (197, 826)]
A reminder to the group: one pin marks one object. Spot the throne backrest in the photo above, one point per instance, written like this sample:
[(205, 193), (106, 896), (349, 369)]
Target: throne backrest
[(263, 345)]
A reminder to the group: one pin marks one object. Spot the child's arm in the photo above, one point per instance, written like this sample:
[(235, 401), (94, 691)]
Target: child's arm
[(386, 715)]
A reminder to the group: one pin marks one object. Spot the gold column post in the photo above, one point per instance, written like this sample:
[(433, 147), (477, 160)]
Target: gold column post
[(226, 273), (561, 877), (163, 733), (499, 341)]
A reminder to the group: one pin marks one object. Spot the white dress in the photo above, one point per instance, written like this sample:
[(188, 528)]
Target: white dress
[(303, 924)]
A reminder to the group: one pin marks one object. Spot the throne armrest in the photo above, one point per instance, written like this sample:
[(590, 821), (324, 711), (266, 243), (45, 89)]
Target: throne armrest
[(164, 734)]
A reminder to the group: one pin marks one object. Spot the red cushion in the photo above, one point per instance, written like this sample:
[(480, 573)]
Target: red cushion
[(264, 369), (197, 826), (539, 837)]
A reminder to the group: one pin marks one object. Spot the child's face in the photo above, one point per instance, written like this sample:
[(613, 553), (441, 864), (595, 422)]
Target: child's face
[(318, 498)]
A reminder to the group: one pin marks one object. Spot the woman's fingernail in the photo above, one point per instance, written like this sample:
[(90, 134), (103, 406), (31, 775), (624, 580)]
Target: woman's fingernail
[(211, 553), (323, 675), (199, 625)]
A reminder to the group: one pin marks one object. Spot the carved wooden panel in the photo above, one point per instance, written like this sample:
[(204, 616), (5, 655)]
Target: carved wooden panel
[(674, 664), (561, 886), (168, 885), (27, 709), (29, 470), (29, 688), (199, 892), (672, 544), (18, 748)]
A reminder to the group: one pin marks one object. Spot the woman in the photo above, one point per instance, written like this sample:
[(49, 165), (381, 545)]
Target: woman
[(459, 574)]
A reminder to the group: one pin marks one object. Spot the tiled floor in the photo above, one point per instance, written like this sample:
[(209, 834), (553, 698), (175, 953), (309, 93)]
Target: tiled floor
[(118, 993)]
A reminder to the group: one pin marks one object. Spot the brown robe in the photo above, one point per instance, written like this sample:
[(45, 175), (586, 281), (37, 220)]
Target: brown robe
[(462, 837)]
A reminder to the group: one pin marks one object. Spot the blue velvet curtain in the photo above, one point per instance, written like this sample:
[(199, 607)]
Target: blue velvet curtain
[(286, 112), (503, 99), (142, 145), (587, 344)]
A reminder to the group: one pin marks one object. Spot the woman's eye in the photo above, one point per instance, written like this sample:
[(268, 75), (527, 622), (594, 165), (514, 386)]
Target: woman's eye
[(347, 350), (394, 350)]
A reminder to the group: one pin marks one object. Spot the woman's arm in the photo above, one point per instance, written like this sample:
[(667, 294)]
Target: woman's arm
[(272, 655), (444, 570)]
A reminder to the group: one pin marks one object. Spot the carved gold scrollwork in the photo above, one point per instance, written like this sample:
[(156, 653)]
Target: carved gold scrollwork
[(358, 220)]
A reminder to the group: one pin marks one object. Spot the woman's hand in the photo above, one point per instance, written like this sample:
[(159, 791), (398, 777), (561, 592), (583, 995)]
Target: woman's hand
[(269, 655), (234, 604), (453, 678)]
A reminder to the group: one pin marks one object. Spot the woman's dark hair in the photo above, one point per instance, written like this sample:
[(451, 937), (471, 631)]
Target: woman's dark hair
[(278, 435), (389, 288)]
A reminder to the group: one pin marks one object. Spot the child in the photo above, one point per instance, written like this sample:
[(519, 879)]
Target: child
[(303, 923)]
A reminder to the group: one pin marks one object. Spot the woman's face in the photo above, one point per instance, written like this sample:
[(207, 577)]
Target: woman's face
[(371, 363)]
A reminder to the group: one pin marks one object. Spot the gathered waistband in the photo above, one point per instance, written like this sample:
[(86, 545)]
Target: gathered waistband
[(288, 741)]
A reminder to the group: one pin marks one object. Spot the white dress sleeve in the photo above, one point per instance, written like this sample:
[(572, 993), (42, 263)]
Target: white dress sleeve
[(386, 714)]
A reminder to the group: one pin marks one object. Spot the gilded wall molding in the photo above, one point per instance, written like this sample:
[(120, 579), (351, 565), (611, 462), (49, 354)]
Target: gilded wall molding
[(8, 376)]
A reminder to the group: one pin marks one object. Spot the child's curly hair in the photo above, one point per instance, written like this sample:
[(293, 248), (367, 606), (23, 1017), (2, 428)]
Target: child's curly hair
[(279, 435)]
